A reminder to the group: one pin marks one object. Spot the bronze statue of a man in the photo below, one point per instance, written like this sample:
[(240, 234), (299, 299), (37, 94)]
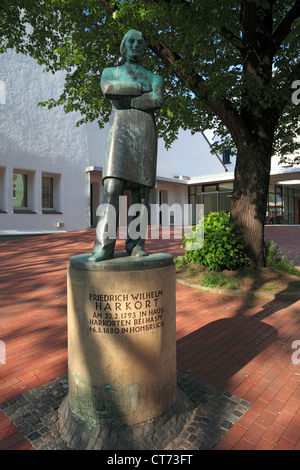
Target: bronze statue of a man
[(131, 146)]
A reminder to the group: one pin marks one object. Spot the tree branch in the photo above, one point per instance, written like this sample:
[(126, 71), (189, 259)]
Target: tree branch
[(222, 107), (284, 28), (111, 9), (231, 37), (225, 32), (247, 21)]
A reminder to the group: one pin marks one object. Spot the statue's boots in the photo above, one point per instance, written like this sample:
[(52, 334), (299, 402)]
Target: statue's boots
[(136, 248), (105, 252)]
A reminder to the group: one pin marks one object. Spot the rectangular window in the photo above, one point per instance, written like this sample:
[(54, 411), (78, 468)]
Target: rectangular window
[(20, 190), (225, 187), (291, 219), (226, 156), (210, 188), (210, 202), (47, 192), (225, 201), (2, 190)]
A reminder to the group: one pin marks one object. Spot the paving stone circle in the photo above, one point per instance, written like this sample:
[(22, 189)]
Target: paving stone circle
[(205, 417)]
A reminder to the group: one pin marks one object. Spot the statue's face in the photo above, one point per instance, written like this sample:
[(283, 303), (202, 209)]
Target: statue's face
[(135, 47)]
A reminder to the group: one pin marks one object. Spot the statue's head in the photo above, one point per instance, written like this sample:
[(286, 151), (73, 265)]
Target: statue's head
[(133, 46)]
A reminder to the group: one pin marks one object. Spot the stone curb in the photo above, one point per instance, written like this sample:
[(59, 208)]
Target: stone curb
[(238, 293)]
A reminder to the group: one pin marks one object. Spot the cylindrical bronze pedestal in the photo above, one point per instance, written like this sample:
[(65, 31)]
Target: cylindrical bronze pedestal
[(121, 339)]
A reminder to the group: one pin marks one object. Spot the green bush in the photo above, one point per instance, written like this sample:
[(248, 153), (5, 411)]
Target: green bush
[(223, 246)]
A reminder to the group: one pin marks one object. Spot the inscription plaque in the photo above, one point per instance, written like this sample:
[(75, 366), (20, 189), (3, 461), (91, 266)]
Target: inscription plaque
[(126, 313)]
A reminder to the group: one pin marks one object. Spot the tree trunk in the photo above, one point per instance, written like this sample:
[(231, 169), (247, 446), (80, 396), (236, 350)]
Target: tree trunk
[(249, 201)]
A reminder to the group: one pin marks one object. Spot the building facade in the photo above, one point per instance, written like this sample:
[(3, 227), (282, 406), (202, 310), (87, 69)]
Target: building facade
[(51, 170), (283, 200), (43, 154)]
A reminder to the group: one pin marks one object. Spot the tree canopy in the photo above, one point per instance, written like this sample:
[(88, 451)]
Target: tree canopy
[(225, 63), (228, 65)]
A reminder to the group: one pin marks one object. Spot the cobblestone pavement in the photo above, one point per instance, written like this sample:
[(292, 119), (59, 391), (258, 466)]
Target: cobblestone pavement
[(35, 414), (237, 348)]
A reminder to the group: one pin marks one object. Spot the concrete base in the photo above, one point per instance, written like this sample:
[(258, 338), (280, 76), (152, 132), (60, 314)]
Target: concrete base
[(121, 344)]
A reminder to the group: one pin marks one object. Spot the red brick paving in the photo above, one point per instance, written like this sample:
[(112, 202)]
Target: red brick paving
[(240, 345)]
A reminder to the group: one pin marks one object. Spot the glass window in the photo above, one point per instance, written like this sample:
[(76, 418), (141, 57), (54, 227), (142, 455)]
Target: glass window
[(279, 215), (20, 182), (2, 189), (195, 189), (226, 156), (199, 199), (210, 202), (194, 198), (225, 201), (225, 187), (210, 187), (271, 209), (271, 188), (47, 192), (291, 210), (285, 210)]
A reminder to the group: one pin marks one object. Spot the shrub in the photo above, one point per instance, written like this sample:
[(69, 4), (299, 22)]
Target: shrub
[(223, 246)]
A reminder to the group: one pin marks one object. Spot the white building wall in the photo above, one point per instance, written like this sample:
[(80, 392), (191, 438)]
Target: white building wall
[(96, 138), (189, 155), (38, 141)]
